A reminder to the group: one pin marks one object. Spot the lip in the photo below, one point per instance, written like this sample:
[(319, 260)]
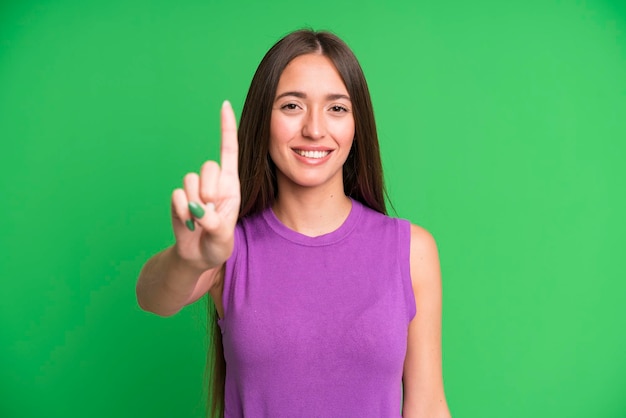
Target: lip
[(311, 148), (312, 161)]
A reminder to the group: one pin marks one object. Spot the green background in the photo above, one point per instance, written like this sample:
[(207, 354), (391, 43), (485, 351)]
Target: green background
[(502, 127)]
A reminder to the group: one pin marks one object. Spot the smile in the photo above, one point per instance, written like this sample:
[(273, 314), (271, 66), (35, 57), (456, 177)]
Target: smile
[(312, 154)]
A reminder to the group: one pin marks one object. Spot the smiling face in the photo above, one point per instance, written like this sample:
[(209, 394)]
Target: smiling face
[(312, 125)]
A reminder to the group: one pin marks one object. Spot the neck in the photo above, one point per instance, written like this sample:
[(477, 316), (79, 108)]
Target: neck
[(312, 212)]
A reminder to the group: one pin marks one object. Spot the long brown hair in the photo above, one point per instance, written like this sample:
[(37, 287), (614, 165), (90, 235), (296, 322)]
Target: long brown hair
[(362, 171)]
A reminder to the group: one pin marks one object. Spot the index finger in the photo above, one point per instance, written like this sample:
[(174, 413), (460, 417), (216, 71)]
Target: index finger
[(230, 146)]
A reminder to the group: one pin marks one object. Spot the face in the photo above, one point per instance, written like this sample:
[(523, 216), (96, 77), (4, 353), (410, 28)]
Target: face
[(312, 125)]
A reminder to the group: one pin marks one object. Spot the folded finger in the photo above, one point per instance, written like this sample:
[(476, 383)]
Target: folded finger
[(209, 176), (180, 209)]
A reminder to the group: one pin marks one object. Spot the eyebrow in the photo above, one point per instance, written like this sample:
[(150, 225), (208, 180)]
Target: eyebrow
[(302, 95)]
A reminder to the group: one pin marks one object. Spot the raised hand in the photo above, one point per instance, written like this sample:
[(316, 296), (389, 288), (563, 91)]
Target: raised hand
[(205, 212)]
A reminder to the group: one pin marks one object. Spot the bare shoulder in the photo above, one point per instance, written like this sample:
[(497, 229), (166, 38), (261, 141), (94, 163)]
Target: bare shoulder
[(423, 378), (424, 256), (422, 240)]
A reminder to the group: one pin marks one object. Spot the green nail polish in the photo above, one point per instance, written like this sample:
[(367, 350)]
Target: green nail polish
[(190, 224), (196, 210)]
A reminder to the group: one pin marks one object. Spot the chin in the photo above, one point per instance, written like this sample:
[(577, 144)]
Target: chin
[(312, 182)]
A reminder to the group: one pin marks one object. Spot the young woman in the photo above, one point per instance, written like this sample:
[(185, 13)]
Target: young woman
[(326, 307)]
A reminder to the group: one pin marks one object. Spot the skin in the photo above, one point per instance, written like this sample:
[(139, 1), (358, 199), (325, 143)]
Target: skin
[(312, 113)]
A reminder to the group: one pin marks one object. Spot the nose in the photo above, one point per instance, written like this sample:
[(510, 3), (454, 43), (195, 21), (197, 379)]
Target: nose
[(314, 126)]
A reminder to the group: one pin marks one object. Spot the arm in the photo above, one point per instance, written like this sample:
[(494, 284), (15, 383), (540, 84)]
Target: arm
[(167, 283), (423, 377), (204, 215)]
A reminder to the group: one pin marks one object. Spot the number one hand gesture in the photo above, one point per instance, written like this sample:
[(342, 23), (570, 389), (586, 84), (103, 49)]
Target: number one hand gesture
[(205, 212)]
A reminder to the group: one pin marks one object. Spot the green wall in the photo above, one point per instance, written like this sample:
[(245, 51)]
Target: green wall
[(502, 126)]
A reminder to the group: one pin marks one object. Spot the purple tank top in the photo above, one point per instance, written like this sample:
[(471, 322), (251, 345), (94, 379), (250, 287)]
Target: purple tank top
[(317, 326)]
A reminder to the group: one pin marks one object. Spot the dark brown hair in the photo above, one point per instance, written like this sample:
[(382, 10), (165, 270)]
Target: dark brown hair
[(362, 171)]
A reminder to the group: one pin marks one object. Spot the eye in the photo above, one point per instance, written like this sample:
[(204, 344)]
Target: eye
[(338, 109), (289, 106)]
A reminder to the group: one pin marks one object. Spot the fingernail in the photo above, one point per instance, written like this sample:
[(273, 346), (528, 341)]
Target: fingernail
[(190, 224), (196, 210), (226, 104)]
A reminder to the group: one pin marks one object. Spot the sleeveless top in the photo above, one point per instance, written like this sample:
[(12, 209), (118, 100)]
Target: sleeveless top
[(317, 326)]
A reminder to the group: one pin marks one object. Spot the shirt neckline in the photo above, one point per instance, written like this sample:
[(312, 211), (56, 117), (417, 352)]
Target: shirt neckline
[(326, 239)]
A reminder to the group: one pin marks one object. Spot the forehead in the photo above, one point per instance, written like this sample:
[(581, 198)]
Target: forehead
[(314, 72)]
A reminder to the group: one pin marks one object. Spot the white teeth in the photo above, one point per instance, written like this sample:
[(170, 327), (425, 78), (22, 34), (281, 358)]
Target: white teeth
[(313, 154)]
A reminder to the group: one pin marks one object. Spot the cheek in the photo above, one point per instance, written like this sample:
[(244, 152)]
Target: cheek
[(282, 129), (279, 136), (345, 133)]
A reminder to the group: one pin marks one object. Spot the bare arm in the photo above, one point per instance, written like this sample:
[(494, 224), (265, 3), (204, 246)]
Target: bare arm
[(423, 377), (167, 283), (204, 215)]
